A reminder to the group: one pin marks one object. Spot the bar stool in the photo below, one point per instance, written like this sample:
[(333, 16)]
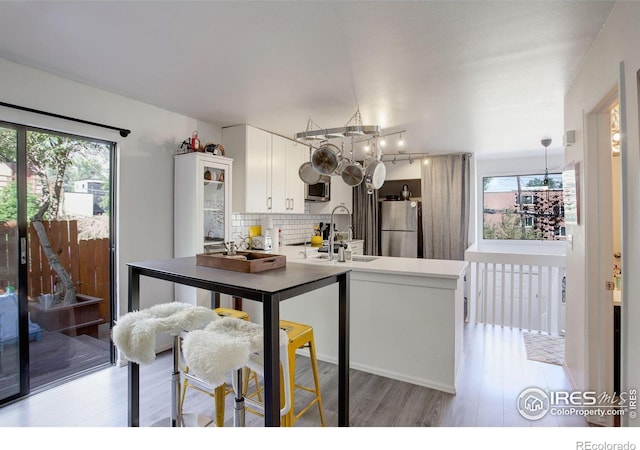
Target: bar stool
[(229, 345), (134, 334), (299, 336), (219, 393)]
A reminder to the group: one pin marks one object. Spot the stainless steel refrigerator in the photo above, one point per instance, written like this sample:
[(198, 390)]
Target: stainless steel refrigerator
[(399, 226)]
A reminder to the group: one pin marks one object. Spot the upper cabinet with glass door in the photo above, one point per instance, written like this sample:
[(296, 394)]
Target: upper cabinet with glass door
[(202, 203)]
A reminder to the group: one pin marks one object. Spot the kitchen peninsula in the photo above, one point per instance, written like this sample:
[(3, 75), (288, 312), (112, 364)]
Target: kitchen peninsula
[(407, 316)]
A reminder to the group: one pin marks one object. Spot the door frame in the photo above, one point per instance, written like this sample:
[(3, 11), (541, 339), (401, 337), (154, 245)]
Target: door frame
[(22, 226), (598, 257)]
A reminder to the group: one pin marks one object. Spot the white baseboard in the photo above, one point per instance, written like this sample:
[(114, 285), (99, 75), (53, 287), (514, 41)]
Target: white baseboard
[(394, 375)]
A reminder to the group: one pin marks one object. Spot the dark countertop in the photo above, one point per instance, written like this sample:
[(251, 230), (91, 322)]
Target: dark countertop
[(270, 281)]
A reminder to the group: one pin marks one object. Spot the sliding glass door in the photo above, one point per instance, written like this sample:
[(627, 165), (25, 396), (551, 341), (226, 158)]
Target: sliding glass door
[(56, 258), (12, 360)]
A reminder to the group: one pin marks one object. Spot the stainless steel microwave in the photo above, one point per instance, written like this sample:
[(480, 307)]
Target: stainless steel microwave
[(320, 191)]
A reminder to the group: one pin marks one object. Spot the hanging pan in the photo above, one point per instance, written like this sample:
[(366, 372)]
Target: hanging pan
[(308, 174), (326, 158), (342, 162), (353, 174), (375, 174)]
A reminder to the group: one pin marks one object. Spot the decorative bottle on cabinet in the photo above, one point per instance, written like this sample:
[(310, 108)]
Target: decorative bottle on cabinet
[(202, 212)]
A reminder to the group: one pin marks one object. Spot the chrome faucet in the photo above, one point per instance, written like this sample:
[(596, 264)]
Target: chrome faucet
[(304, 252), (331, 235)]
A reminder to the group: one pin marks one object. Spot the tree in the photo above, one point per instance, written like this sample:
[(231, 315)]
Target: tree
[(510, 228), (49, 156), (9, 203), (8, 145), (538, 182)]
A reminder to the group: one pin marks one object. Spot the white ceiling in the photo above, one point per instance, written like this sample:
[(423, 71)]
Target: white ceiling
[(473, 76)]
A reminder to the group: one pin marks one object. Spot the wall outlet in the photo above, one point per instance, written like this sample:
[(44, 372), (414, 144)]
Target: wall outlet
[(569, 241)]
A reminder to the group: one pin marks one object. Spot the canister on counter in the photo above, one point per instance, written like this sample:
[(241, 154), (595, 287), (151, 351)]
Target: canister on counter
[(254, 230)]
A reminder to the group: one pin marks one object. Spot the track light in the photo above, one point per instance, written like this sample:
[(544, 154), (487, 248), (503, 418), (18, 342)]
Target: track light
[(394, 159), (410, 160), (383, 142), (401, 141)]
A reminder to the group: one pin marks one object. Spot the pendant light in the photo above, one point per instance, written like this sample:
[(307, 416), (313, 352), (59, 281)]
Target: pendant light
[(545, 182)]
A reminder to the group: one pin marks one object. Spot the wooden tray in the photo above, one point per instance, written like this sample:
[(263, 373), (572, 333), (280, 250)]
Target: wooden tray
[(254, 262)]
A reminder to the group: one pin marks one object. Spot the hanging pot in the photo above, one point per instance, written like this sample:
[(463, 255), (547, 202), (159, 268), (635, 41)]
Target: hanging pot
[(342, 164), (375, 174), (326, 158), (353, 174), (308, 174)]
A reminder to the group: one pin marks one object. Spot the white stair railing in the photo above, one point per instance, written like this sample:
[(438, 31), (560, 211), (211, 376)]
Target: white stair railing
[(520, 290)]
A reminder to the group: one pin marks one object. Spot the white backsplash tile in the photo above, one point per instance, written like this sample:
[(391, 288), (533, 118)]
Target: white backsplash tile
[(295, 227)]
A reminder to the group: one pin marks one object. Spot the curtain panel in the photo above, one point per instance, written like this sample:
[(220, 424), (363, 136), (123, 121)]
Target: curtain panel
[(445, 206), (365, 218)]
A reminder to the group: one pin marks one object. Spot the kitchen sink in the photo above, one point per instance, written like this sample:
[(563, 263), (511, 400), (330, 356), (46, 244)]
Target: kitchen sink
[(354, 258), (363, 258)]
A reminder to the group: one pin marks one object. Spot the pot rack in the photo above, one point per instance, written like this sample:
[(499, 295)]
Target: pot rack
[(357, 129)]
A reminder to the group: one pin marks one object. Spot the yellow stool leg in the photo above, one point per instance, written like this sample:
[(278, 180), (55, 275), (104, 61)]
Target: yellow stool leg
[(220, 393), (316, 378), (184, 394), (289, 418)]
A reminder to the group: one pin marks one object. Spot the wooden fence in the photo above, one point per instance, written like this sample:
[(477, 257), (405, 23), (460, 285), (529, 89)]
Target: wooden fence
[(87, 261), (8, 253)]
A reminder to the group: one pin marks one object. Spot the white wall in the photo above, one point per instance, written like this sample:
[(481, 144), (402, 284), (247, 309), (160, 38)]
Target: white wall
[(617, 42), (402, 170), (145, 159)]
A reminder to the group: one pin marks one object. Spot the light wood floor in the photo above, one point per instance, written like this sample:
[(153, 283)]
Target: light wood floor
[(494, 371)]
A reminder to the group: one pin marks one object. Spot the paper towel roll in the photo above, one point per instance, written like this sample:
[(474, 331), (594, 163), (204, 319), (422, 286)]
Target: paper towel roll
[(267, 223), (275, 243)]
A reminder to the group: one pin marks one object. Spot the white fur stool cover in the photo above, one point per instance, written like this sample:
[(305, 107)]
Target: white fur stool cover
[(135, 333), (223, 346)]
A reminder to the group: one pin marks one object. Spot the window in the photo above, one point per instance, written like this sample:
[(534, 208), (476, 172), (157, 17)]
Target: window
[(528, 222), (526, 199), (523, 207)]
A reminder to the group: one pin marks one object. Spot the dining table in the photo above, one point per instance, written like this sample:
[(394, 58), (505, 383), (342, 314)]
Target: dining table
[(268, 287)]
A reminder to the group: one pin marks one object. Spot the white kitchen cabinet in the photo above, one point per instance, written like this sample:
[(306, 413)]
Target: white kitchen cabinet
[(341, 194), (357, 246), (287, 189), (266, 171), (202, 213)]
